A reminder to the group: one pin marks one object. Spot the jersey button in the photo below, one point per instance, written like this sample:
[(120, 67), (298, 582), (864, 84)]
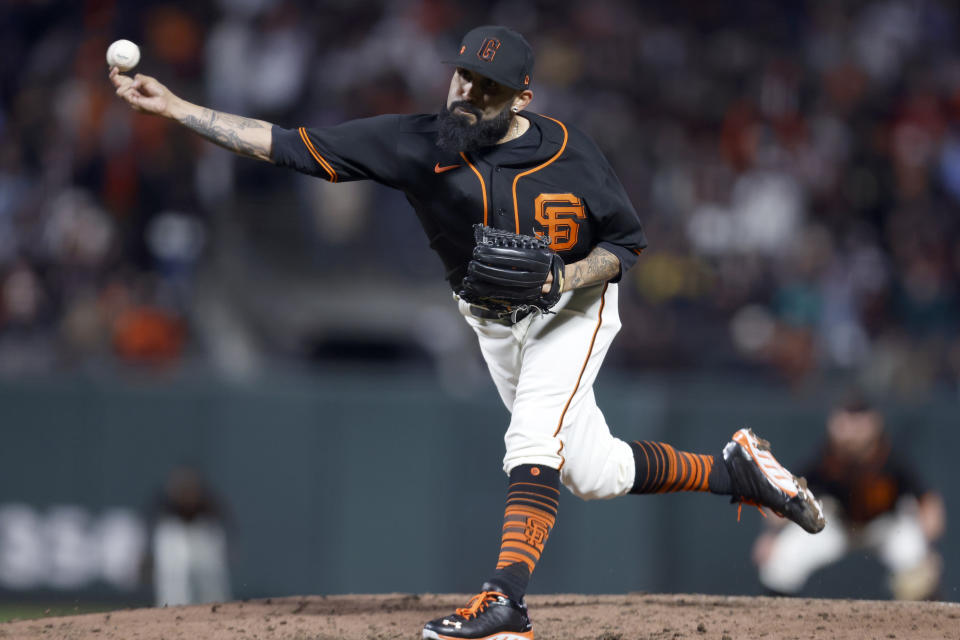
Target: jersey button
[(497, 169), (500, 212)]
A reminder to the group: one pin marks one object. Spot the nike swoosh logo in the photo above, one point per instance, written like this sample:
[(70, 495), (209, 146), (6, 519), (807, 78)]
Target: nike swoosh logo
[(439, 169)]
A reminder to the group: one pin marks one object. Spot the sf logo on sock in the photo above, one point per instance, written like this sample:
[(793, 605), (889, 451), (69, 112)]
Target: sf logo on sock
[(536, 532)]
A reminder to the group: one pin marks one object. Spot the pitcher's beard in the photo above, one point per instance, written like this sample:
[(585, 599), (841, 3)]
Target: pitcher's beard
[(458, 134)]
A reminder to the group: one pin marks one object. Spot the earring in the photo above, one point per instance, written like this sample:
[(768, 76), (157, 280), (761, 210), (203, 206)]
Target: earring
[(516, 109)]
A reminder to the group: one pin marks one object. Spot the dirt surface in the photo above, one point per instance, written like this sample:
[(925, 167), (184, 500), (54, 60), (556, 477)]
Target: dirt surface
[(564, 617)]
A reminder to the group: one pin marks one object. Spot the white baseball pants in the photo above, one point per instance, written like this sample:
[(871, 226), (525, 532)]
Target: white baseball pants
[(895, 537), (544, 367), (190, 562)]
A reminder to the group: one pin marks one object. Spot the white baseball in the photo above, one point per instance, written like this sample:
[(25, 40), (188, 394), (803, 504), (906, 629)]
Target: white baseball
[(123, 55)]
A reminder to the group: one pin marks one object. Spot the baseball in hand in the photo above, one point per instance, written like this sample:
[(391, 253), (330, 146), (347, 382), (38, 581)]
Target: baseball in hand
[(123, 55)]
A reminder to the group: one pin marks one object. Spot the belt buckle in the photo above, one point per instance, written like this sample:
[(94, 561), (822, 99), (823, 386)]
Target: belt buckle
[(513, 316), (486, 313), (519, 313)]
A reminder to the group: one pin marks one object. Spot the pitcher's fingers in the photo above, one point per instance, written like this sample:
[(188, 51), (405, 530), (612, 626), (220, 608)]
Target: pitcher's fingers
[(133, 98), (117, 79), (130, 97), (547, 284)]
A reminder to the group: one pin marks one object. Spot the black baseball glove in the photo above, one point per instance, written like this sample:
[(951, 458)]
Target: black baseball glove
[(508, 271)]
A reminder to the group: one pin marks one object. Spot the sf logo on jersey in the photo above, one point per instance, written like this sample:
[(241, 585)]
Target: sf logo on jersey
[(559, 215)]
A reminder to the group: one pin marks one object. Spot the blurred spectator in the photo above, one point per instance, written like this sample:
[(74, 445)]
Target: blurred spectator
[(189, 543), (873, 499)]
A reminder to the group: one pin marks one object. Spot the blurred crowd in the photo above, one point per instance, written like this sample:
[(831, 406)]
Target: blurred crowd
[(796, 165)]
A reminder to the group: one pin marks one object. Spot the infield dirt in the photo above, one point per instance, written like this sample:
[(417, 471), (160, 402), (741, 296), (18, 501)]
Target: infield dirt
[(560, 617)]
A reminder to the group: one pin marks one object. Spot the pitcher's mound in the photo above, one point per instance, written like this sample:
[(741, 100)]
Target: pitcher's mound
[(556, 617)]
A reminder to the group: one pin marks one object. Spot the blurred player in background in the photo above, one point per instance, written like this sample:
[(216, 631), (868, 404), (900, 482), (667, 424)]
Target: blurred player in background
[(189, 542), (486, 160), (874, 500)]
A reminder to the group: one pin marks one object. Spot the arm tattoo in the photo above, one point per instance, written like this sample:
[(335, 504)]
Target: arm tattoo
[(599, 266), (225, 130)]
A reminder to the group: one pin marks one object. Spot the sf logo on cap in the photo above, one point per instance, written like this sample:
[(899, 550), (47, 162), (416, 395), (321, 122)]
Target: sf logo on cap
[(488, 49)]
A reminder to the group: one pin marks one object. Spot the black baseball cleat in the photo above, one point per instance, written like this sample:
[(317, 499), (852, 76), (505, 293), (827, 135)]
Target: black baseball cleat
[(490, 615), (757, 478)]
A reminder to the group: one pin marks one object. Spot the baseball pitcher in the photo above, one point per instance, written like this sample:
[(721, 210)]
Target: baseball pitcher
[(534, 231)]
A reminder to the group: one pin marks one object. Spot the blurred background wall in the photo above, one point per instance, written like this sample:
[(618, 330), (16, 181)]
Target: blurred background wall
[(346, 482), (796, 165)]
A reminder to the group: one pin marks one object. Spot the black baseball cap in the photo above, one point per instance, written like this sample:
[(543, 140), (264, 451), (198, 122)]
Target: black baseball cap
[(498, 53)]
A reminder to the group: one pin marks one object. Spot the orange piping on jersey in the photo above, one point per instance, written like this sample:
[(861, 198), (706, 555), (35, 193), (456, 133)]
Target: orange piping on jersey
[(637, 251), (316, 156), (593, 339), (483, 185), (516, 209)]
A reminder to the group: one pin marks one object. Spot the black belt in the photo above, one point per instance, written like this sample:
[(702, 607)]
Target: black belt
[(510, 317)]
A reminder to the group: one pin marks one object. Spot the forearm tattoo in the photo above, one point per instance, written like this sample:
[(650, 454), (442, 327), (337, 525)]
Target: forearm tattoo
[(227, 130), (599, 266)]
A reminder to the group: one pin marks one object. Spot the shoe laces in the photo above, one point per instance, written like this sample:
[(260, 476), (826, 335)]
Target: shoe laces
[(478, 603), (752, 503)]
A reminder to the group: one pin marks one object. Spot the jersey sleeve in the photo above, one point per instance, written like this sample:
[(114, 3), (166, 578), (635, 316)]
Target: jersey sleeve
[(618, 226), (364, 149)]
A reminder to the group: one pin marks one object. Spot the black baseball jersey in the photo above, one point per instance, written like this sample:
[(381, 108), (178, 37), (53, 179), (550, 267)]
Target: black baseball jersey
[(552, 180), (865, 489)]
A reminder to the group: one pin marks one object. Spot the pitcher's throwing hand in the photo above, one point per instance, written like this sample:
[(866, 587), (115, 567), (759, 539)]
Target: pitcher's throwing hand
[(143, 93)]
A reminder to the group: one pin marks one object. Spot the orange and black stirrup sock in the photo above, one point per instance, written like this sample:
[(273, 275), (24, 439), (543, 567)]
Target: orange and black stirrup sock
[(530, 514), (661, 469)]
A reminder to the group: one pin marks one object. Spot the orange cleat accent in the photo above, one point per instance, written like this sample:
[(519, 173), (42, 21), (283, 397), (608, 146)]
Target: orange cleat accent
[(490, 615), (759, 450), (758, 479)]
